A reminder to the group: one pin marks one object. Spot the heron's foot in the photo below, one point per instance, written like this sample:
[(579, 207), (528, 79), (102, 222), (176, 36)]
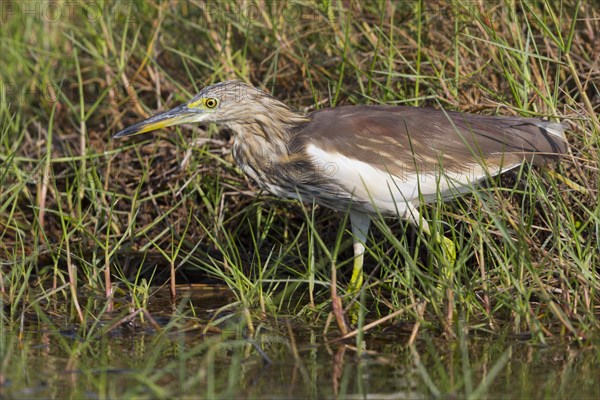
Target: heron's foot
[(353, 313), (356, 281)]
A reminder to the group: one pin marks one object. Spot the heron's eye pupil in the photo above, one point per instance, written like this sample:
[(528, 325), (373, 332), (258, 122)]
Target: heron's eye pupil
[(211, 103)]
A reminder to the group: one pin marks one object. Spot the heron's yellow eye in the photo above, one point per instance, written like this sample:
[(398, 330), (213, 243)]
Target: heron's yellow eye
[(210, 102)]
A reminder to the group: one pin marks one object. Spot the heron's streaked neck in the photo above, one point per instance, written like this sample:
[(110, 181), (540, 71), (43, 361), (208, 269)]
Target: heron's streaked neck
[(267, 131)]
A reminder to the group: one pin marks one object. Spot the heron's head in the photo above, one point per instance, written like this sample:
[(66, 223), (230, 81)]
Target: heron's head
[(228, 103)]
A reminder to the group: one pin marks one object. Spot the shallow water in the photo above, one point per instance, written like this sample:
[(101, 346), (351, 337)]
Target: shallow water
[(285, 358)]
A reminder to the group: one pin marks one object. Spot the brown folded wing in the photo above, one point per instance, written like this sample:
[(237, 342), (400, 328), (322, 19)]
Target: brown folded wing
[(398, 139)]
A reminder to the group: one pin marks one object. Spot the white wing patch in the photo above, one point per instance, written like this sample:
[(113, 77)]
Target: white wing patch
[(390, 193)]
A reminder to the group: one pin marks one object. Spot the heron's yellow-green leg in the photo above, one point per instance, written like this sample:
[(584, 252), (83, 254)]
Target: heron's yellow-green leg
[(360, 227), (357, 279), (449, 254), (448, 246), (449, 250), (446, 285)]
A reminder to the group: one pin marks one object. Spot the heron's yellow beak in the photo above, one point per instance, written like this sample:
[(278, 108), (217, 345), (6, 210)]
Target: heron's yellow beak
[(178, 115)]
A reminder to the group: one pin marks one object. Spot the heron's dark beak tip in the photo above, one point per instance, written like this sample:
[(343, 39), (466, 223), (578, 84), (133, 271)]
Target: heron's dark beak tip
[(125, 132)]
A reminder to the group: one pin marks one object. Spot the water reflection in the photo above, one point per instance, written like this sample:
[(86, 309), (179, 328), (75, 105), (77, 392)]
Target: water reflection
[(284, 358)]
